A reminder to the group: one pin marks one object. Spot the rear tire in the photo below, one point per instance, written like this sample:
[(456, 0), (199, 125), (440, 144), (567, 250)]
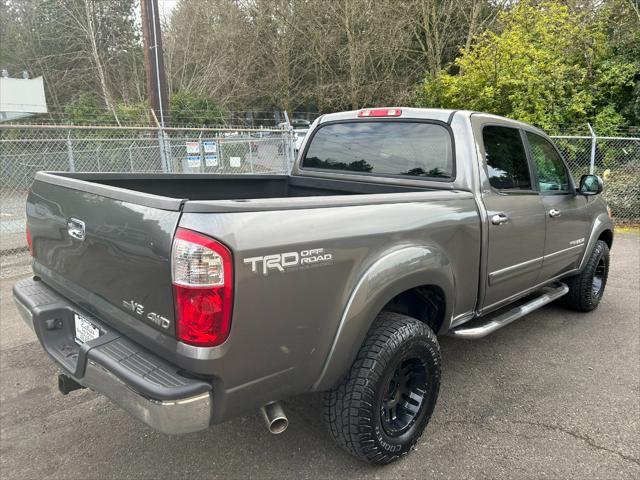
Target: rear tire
[(587, 288), (379, 411)]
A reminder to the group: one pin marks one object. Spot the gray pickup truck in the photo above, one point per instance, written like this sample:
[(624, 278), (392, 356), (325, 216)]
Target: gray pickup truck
[(189, 299)]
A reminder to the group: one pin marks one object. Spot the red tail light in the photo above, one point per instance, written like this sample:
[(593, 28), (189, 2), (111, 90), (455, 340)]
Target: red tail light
[(29, 241), (380, 112), (202, 272)]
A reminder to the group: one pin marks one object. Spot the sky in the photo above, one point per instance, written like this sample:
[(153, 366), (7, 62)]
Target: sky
[(166, 7)]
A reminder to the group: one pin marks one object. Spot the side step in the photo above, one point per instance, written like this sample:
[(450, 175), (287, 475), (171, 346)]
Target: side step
[(547, 295)]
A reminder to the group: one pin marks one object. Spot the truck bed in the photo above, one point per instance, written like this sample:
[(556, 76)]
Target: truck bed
[(232, 187)]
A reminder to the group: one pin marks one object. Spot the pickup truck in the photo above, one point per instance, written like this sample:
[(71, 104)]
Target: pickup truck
[(190, 299)]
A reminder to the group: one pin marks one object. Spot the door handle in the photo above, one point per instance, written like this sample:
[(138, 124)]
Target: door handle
[(554, 213), (500, 218)]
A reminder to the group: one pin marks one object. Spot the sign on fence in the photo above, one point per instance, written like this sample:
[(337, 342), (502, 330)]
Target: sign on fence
[(193, 148), (210, 146), (193, 161), (211, 160)]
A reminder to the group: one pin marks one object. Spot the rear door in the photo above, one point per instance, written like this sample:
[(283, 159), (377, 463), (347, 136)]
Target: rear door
[(515, 213), (567, 221)]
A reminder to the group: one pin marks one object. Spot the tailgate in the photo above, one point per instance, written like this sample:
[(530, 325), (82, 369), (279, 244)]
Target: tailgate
[(107, 248)]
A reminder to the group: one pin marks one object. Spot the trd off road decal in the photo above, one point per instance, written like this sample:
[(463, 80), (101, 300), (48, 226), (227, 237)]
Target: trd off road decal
[(288, 261)]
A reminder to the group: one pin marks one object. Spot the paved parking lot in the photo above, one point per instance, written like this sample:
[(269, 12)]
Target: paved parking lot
[(554, 395)]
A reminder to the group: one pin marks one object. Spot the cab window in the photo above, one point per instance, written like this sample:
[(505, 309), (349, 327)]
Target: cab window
[(409, 149), (552, 174), (506, 159)]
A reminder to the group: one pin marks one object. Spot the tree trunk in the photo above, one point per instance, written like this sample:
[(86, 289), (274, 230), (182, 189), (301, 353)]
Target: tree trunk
[(91, 31)]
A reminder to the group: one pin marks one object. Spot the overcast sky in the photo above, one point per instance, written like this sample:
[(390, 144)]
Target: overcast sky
[(166, 7)]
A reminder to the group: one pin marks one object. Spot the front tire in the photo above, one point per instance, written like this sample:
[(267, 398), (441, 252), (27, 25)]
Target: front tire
[(587, 288), (379, 411)]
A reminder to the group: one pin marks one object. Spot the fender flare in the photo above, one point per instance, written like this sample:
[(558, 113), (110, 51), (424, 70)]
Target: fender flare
[(394, 272), (601, 223)]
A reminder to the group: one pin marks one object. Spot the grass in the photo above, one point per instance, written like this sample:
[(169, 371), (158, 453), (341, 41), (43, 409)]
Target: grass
[(627, 229)]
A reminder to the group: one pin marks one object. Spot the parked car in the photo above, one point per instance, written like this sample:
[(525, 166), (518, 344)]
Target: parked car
[(190, 299), (300, 123)]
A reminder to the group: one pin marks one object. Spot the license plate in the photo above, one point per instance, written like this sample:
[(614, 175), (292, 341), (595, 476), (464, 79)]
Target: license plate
[(85, 330)]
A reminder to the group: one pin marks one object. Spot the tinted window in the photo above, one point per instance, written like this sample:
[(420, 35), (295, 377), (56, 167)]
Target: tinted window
[(506, 159), (384, 148), (552, 175)]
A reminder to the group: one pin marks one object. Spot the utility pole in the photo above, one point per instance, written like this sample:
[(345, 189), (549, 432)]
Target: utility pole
[(153, 59)]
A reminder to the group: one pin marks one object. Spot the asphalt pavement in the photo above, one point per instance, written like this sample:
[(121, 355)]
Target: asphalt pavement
[(554, 395)]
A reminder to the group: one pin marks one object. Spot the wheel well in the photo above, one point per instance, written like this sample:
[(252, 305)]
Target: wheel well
[(426, 303), (607, 237)]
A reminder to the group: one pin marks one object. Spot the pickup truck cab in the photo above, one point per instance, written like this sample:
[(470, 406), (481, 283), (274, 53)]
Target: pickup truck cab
[(189, 299)]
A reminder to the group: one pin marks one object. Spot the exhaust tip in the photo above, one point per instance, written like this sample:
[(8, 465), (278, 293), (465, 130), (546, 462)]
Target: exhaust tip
[(279, 425), (275, 418)]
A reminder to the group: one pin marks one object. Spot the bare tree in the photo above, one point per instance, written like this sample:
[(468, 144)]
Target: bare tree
[(88, 28), (208, 51)]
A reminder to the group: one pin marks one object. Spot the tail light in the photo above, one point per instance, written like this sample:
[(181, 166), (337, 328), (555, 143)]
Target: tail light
[(380, 112), (29, 241), (202, 272)]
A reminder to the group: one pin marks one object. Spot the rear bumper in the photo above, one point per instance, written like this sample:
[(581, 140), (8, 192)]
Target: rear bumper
[(141, 383)]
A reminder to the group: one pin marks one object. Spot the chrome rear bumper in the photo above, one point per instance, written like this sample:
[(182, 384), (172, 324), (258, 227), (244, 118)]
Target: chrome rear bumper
[(144, 385), (184, 415)]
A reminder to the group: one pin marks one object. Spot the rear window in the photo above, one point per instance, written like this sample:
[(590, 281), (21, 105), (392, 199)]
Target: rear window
[(384, 148)]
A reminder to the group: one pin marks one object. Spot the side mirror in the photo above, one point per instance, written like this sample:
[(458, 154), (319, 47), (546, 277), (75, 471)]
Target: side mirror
[(591, 185)]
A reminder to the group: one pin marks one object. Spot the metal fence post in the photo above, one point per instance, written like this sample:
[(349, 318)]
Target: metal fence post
[(98, 157), (130, 158), (250, 154), (593, 150), (292, 148), (163, 154), (72, 163), (220, 153)]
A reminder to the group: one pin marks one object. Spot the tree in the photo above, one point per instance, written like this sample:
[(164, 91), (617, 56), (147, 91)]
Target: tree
[(209, 51), (544, 65), (190, 109), (89, 46), (441, 27)]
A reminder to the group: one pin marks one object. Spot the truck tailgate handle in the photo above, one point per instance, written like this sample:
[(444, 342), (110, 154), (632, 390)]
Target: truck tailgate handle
[(554, 213), (500, 218), (76, 228)]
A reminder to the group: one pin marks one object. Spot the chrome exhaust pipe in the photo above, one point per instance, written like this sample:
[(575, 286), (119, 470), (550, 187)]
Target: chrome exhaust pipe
[(277, 421)]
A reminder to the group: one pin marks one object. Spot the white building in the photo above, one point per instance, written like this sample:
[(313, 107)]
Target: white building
[(21, 97)]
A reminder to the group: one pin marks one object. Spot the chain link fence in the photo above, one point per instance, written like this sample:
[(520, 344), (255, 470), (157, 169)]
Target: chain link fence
[(617, 161), (24, 150)]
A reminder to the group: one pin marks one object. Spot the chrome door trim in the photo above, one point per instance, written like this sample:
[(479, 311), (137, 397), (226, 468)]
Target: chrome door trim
[(563, 251), (514, 270)]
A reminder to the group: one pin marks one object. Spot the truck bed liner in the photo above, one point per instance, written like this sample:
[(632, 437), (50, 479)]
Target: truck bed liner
[(169, 191)]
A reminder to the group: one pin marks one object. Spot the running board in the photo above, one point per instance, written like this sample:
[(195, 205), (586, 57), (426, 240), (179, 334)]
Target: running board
[(548, 295)]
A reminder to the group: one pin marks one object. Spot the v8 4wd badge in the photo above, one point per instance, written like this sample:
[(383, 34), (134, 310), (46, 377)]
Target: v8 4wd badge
[(153, 317)]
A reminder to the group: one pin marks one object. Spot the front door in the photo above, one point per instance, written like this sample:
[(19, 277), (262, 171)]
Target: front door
[(566, 216), (515, 214)]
